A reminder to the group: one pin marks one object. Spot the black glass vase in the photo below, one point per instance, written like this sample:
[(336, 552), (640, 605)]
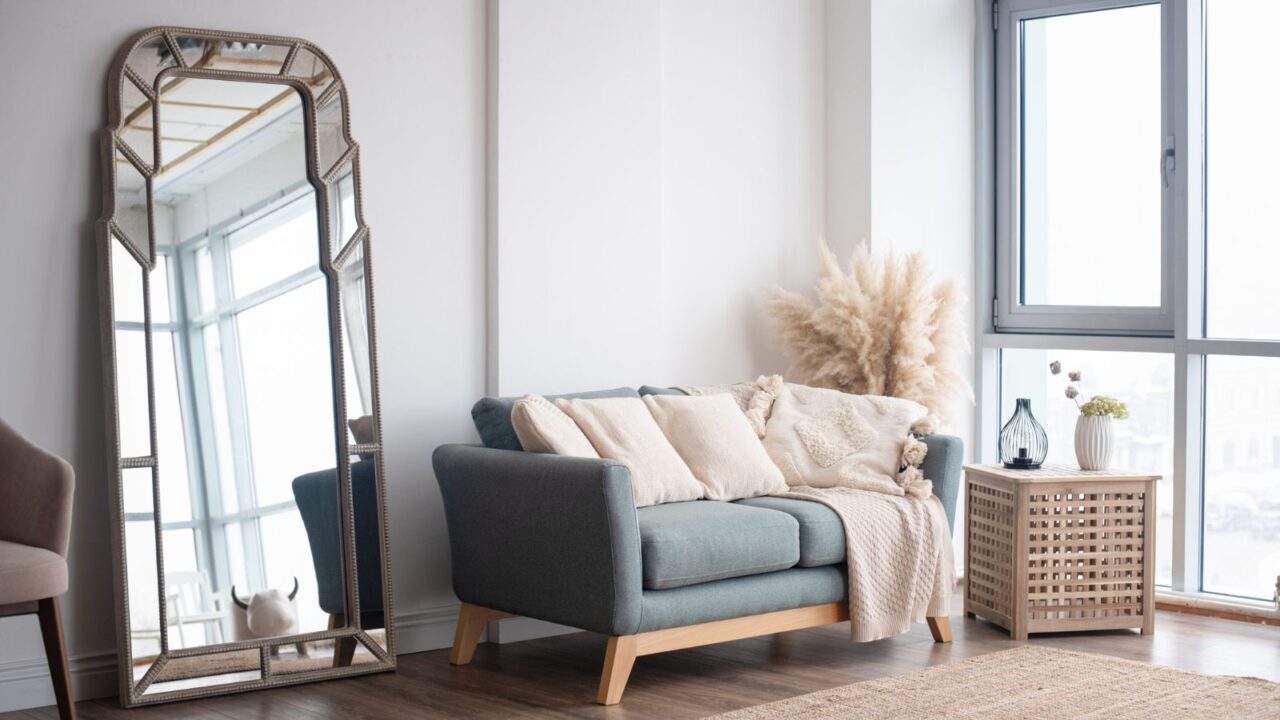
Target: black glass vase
[(1023, 443)]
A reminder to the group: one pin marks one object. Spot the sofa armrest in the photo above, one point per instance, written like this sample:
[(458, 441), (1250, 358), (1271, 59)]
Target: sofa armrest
[(543, 536), (942, 465)]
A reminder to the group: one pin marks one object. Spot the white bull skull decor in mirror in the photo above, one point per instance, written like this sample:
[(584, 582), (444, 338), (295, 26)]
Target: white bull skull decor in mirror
[(240, 369)]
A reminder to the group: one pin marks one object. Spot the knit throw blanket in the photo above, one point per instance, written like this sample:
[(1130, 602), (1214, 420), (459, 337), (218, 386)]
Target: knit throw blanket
[(897, 544), (900, 560)]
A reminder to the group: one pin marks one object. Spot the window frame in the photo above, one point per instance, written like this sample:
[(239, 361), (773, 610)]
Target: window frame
[(1011, 315), (999, 324)]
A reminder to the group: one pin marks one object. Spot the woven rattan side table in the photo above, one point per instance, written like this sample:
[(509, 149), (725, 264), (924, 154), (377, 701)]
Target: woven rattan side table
[(1059, 549)]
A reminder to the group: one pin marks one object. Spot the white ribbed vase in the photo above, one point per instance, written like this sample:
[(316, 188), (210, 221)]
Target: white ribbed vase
[(1093, 442)]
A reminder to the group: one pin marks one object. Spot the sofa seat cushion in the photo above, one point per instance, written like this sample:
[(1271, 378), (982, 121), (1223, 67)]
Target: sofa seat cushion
[(699, 541), (821, 533)]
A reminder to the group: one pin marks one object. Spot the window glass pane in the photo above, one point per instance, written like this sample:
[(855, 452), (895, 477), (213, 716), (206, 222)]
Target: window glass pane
[(217, 389), (235, 554), (126, 285), (1242, 476), (175, 492), (1143, 442), (275, 247), (1242, 189), (284, 541), (160, 291), (132, 408), (1091, 143), (204, 279), (284, 350)]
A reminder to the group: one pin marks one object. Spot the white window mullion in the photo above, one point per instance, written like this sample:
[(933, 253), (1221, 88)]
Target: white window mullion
[(1184, 228)]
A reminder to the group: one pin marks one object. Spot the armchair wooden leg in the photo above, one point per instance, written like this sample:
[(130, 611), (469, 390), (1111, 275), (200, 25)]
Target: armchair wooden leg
[(55, 649), (344, 648), (618, 660), (941, 628), (471, 622)]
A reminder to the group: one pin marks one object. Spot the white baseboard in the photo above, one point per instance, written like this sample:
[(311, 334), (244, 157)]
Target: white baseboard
[(521, 629), (25, 683)]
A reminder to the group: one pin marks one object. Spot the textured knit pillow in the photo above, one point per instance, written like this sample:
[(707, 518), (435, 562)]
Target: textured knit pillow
[(544, 428), (716, 441), (826, 438), (622, 429)]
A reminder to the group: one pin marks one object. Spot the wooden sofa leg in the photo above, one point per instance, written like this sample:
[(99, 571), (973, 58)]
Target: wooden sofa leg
[(618, 659), (941, 628), (55, 650), (344, 648), (471, 622), (467, 634)]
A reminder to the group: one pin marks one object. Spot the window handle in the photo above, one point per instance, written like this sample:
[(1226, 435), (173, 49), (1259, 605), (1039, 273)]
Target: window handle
[(1168, 160)]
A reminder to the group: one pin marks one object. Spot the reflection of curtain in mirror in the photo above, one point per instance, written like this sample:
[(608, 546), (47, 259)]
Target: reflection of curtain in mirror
[(356, 327), (352, 296)]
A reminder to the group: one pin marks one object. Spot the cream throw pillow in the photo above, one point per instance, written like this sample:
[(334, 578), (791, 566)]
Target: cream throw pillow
[(826, 438), (716, 441), (622, 429), (544, 428)]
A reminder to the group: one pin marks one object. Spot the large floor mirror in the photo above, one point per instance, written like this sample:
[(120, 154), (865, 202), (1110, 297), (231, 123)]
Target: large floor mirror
[(241, 374)]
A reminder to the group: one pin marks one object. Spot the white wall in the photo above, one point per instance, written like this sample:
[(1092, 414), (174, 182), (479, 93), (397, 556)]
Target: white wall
[(650, 169), (575, 239), (922, 150), (742, 179), (416, 76)]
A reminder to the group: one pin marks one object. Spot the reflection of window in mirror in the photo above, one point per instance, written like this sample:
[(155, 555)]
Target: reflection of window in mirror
[(241, 348)]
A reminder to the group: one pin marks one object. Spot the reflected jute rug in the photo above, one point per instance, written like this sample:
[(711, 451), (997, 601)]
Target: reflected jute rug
[(1035, 682)]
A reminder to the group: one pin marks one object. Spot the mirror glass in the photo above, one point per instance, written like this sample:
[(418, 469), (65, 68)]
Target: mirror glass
[(229, 409)]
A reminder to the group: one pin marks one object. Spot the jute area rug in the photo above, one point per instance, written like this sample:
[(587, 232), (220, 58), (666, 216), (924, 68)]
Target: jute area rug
[(1035, 682)]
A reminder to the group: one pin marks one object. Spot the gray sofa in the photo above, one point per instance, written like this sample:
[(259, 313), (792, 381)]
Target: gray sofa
[(560, 539)]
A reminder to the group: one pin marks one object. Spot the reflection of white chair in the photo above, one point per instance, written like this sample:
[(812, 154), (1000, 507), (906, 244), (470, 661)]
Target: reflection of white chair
[(190, 601)]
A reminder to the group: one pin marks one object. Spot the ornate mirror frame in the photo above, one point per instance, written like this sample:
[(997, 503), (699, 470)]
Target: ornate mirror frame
[(330, 152)]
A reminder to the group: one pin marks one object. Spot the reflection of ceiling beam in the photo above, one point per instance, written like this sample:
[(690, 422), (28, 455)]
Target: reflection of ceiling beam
[(214, 106), (207, 59), (224, 132)]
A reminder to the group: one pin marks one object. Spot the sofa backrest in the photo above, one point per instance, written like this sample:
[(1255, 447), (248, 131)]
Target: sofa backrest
[(492, 416)]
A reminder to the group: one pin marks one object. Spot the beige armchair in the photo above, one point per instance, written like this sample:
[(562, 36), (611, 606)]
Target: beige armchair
[(35, 526)]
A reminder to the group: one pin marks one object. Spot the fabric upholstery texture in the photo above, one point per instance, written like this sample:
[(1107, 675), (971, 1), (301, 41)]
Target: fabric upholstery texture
[(30, 573), (822, 540), (695, 542), (544, 428), (557, 538), (657, 390), (622, 429), (35, 494), (944, 467), (36, 490), (714, 438), (543, 536), (317, 497), (826, 438), (492, 416), (738, 597)]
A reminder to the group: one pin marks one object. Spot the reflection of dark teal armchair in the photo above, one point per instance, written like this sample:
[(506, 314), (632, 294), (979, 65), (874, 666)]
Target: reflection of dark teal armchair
[(317, 497)]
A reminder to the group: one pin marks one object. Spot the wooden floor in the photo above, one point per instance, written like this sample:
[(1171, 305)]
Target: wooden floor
[(556, 677)]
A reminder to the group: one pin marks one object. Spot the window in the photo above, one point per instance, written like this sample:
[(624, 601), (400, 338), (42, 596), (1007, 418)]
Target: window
[(1242, 193), (1080, 113), (1241, 489), (1130, 237), (1090, 100)]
